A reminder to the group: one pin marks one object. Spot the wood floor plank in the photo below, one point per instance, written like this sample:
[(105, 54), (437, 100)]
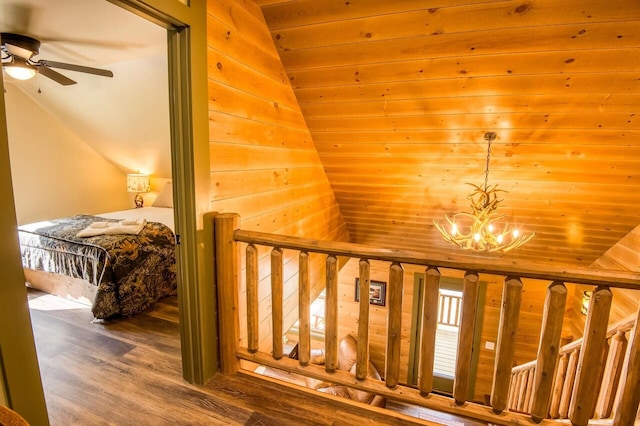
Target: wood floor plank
[(128, 372)]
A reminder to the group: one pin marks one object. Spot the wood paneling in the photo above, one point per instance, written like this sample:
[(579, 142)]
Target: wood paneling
[(398, 95), (263, 162)]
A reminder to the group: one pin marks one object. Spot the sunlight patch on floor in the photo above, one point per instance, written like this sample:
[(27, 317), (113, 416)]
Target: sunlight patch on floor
[(51, 302)]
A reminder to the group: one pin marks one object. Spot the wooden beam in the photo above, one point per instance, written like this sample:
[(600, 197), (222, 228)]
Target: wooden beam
[(506, 345), (548, 349), (227, 270), (465, 337), (362, 358), (585, 392), (394, 324), (430, 297), (276, 302)]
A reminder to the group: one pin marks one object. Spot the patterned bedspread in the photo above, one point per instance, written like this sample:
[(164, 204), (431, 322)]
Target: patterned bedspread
[(131, 271)]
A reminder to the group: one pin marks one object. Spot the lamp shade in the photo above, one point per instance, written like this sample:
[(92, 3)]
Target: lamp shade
[(19, 71), (138, 182)]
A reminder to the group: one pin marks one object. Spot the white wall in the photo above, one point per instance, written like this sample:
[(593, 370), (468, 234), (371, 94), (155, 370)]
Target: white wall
[(55, 174)]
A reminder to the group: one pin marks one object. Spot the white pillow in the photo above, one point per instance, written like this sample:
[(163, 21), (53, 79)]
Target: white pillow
[(165, 197)]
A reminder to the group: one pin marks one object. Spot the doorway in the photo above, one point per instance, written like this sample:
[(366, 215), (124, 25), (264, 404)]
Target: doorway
[(188, 120), (449, 311)]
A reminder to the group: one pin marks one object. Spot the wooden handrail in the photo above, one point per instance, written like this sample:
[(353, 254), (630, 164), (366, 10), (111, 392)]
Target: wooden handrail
[(587, 276), (530, 383)]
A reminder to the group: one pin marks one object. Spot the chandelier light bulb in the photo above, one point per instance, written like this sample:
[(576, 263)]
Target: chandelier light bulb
[(500, 238), (454, 229), (515, 233)]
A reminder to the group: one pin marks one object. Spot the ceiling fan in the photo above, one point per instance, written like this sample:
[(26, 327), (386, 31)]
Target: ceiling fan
[(17, 59)]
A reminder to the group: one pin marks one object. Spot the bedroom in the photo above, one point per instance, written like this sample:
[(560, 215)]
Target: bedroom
[(234, 96), (72, 146)]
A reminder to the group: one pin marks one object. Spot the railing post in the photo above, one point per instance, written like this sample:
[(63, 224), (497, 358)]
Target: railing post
[(362, 360), (331, 315), (548, 348), (429, 328), (276, 302), (627, 409), (227, 270), (394, 324), (585, 391), (252, 298), (304, 313), (465, 337), (511, 297)]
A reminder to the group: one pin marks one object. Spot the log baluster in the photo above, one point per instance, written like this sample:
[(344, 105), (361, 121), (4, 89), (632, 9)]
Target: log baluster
[(227, 273), (547, 359), (251, 271), (629, 398), (569, 380), (465, 337), (585, 392), (362, 357), (429, 327), (394, 324), (304, 309), (522, 391), (530, 389), (514, 389), (331, 314), (612, 372), (558, 384), (508, 325), (276, 302)]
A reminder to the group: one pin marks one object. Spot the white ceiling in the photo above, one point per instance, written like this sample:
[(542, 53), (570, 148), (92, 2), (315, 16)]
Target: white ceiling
[(124, 118)]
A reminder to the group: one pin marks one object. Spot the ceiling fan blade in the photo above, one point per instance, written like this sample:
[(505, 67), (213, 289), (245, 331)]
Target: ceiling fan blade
[(79, 68), (55, 76)]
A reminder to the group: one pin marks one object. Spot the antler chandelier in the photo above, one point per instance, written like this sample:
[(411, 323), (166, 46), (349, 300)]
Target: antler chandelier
[(480, 231)]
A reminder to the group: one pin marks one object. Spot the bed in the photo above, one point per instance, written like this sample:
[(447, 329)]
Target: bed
[(115, 273)]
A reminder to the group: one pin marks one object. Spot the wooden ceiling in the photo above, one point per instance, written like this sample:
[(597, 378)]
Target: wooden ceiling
[(398, 97)]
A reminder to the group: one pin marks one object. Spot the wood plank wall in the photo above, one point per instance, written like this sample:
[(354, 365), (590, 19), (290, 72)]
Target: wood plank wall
[(264, 165), (624, 256), (527, 338)]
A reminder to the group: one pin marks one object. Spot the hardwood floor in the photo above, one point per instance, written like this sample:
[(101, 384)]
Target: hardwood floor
[(128, 372)]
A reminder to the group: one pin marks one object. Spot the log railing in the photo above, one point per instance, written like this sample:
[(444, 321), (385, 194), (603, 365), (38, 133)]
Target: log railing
[(588, 361), (449, 310), (605, 388)]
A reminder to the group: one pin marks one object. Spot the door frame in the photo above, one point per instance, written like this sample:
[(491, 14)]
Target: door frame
[(185, 22)]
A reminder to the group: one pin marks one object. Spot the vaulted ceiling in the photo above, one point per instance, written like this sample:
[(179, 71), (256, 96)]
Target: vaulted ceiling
[(398, 97)]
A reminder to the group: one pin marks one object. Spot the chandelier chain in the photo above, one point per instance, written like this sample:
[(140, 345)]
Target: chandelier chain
[(489, 136)]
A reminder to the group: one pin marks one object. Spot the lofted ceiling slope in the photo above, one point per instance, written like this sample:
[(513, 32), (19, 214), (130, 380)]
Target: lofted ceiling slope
[(125, 118), (398, 97)]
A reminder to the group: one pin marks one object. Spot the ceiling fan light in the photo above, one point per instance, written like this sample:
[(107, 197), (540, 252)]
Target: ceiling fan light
[(19, 72)]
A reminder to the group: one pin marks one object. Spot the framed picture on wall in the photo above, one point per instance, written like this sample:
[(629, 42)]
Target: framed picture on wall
[(377, 292)]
